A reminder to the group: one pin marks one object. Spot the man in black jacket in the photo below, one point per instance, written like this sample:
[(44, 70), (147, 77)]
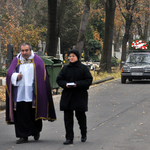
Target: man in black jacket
[(75, 79)]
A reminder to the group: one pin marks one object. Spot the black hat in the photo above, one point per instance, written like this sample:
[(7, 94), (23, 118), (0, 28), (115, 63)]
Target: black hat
[(76, 52)]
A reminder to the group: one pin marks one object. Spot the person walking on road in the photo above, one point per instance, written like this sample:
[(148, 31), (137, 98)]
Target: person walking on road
[(28, 95), (75, 79)]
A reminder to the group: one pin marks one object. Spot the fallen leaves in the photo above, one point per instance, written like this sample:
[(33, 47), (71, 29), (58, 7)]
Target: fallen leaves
[(3, 93), (103, 75)]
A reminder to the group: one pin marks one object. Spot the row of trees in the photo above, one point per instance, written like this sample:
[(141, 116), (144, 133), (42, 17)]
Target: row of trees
[(77, 22), (129, 17)]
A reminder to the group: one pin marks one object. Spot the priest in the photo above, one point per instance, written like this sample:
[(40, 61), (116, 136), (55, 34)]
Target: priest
[(28, 95)]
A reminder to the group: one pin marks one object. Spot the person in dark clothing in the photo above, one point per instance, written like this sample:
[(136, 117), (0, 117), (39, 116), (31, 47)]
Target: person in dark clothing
[(75, 79)]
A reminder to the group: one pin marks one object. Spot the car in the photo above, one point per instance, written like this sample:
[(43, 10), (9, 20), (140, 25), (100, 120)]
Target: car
[(136, 66)]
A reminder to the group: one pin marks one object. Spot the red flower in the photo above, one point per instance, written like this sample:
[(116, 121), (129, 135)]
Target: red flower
[(139, 44)]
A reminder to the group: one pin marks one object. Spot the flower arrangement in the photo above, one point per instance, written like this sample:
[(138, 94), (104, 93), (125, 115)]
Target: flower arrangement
[(139, 44)]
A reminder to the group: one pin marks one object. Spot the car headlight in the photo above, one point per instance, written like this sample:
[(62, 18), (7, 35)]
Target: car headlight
[(147, 69), (125, 69)]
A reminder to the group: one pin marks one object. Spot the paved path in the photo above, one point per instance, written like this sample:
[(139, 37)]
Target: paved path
[(118, 119)]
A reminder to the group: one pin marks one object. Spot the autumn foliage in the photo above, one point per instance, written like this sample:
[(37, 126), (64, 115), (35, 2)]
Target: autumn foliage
[(13, 33)]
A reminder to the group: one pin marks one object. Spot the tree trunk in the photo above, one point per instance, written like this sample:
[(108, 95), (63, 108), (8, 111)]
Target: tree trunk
[(83, 26), (131, 34), (139, 26), (51, 43), (61, 13), (116, 38), (109, 24), (126, 38), (0, 51), (146, 27)]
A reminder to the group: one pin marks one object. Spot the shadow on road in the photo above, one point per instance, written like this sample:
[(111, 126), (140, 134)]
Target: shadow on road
[(143, 81)]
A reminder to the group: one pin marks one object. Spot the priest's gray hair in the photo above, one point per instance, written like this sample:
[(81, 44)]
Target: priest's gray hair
[(24, 44)]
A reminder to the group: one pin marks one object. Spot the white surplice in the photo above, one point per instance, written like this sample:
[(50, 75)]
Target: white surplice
[(25, 85)]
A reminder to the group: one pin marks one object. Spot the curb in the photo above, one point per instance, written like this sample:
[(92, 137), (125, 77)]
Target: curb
[(103, 80), (3, 106)]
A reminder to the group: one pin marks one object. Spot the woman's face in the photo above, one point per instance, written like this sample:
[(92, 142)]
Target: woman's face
[(73, 58)]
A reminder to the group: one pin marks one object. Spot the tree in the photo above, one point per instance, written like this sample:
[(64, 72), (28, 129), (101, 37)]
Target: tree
[(95, 27), (118, 26), (83, 26), (127, 9), (34, 12), (96, 22), (142, 19), (105, 62), (96, 18), (94, 47), (13, 33), (51, 44), (69, 28), (61, 13), (55, 20)]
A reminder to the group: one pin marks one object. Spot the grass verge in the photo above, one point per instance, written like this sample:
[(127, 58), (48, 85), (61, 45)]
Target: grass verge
[(102, 75)]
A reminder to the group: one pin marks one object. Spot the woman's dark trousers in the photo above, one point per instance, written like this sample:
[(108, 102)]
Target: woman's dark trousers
[(69, 123)]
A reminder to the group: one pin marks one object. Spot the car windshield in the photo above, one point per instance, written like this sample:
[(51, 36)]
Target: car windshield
[(138, 58)]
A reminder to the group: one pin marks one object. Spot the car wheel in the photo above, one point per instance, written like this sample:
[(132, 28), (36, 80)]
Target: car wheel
[(123, 79)]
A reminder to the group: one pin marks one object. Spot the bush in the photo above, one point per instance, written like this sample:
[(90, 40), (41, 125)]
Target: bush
[(94, 58), (3, 72), (114, 62)]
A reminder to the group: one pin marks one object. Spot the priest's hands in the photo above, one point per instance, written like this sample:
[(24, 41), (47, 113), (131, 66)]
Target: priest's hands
[(19, 77)]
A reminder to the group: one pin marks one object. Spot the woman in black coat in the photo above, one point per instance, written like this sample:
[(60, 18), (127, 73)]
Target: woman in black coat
[(75, 79)]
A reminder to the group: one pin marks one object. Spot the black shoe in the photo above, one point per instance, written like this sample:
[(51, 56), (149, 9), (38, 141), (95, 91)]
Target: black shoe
[(36, 137), (68, 142), (83, 138), (22, 140)]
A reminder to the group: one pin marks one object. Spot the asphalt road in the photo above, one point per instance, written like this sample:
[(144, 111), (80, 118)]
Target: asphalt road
[(118, 119)]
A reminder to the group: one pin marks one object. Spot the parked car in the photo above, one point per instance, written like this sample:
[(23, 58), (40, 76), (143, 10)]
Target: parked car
[(136, 66)]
